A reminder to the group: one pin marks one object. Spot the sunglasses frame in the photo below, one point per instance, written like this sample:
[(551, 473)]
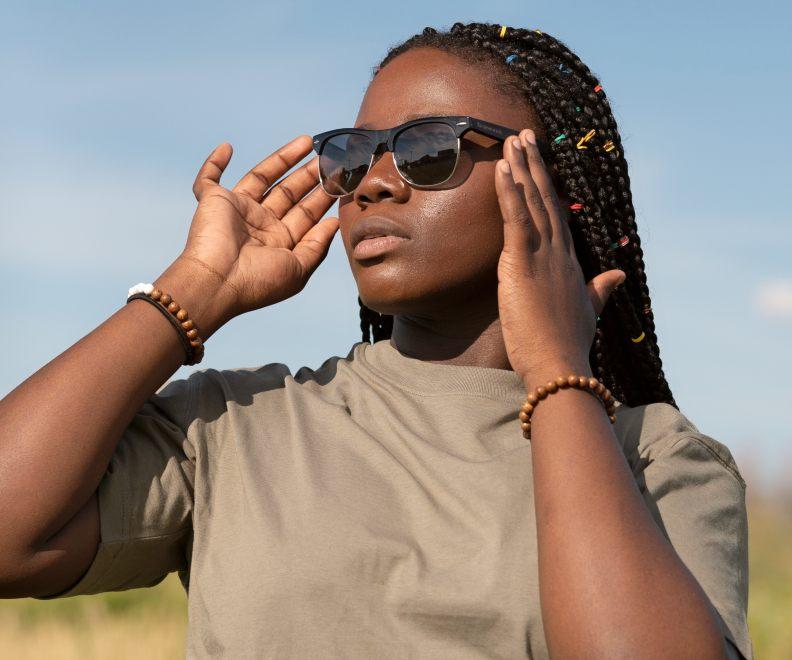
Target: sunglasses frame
[(386, 137)]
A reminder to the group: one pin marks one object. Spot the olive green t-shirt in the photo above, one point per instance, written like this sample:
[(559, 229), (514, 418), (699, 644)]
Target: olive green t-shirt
[(379, 506)]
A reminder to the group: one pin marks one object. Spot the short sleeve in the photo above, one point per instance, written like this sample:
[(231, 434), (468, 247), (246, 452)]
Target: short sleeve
[(146, 499), (697, 495)]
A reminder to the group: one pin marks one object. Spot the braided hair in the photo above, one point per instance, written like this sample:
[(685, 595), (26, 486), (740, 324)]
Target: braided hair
[(570, 104)]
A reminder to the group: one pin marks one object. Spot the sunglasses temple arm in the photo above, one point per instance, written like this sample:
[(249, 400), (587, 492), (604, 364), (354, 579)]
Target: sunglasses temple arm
[(502, 132), (493, 130)]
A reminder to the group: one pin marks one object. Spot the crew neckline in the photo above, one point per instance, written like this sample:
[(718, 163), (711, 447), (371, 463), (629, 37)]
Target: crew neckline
[(436, 379), (433, 378)]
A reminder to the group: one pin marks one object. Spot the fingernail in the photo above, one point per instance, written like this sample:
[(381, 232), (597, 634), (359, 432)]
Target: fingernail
[(503, 165), (529, 136)]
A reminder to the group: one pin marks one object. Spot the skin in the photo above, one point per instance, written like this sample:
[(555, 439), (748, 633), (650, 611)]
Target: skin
[(487, 278)]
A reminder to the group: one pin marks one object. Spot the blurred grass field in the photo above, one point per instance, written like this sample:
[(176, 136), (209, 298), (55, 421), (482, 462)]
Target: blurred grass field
[(152, 623)]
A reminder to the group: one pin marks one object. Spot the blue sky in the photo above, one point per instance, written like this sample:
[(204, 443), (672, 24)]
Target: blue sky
[(109, 109)]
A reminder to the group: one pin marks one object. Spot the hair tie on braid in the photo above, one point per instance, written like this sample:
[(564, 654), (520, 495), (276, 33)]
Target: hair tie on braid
[(586, 138), (564, 69), (598, 88), (511, 58), (639, 338), (502, 31)]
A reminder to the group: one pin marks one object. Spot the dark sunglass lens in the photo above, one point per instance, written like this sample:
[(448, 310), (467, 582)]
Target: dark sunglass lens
[(426, 154), (344, 162)]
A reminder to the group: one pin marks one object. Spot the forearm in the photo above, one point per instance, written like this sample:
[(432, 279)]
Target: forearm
[(611, 585), (59, 428)]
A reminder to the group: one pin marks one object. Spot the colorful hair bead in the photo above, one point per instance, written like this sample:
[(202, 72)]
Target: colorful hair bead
[(609, 146), (639, 337), (598, 88), (647, 309), (586, 138), (577, 108), (510, 58), (502, 31), (559, 138), (564, 69), (538, 31), (576, 207), (624, 240)]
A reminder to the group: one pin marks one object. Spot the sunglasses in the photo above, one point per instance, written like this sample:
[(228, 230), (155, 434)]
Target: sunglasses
[(425, 151)]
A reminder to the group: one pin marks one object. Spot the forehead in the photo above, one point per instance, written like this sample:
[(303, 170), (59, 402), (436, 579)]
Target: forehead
[(426, 81)]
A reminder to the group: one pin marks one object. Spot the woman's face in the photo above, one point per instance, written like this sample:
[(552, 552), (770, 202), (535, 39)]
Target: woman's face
[(455, 233)]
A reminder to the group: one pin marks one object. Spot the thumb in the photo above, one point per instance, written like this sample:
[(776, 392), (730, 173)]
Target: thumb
[(601, 287)]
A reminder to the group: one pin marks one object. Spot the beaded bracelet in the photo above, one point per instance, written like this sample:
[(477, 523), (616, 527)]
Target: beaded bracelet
[(588, 384), (188, 334)]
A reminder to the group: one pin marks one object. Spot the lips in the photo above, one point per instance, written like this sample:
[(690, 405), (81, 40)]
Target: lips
[(375, 226)]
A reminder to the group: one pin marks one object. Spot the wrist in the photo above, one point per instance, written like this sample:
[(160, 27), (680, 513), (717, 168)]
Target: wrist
[(203, 293), (551, 371)]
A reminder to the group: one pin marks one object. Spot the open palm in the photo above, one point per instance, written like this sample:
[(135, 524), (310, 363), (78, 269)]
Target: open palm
[(264, 240)]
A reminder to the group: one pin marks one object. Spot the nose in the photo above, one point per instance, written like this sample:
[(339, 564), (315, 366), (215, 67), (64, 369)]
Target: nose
[(381, 182)]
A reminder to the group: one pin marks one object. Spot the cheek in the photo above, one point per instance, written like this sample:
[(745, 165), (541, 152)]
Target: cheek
[(469, 237)]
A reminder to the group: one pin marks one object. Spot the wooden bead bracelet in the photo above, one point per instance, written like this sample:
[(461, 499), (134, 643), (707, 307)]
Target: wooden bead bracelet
[(188, 334), (589, 384)]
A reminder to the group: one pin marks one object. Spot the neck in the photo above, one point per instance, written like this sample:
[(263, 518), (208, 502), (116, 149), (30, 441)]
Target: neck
[(467, 336)]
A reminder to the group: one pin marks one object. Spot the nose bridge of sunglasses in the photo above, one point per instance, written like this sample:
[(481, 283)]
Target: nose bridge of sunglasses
[(380, 149)]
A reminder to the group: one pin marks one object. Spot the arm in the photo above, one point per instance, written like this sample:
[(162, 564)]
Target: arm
[(611, 584), (247, 248), (51, 462)]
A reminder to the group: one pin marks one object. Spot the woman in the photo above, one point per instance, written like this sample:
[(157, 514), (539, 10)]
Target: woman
[(392, 503)]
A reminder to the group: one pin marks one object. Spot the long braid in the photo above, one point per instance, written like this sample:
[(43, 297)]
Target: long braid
[(568, 101)]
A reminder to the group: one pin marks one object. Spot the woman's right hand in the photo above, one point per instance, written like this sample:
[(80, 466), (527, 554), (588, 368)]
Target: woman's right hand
[(263, 241)]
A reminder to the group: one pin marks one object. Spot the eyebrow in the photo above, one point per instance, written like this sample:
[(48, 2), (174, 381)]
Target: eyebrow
[(406, 119)]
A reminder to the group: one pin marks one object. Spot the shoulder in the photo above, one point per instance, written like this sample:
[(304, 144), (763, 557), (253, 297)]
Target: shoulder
[(653, 431), (217, 390)]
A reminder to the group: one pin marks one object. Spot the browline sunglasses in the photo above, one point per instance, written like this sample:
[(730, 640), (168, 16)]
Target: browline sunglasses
[(425, 150)]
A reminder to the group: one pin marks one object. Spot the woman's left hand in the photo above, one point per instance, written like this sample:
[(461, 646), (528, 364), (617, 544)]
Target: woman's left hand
[(547, 311)]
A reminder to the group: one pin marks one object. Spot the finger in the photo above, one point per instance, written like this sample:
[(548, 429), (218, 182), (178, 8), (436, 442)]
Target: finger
[(521, 173), (258, 180), (569, 242), (544, 183), (601, 287), (306, 213), (212, 169), (519, 231), (286, 193), (313, 247)]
